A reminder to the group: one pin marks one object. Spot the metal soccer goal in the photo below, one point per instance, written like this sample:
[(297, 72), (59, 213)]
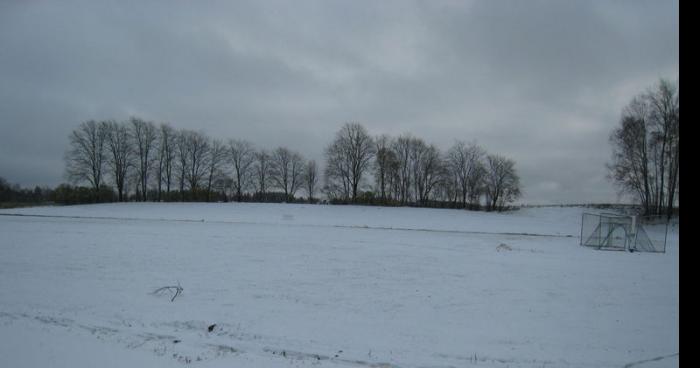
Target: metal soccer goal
[(609, 231)]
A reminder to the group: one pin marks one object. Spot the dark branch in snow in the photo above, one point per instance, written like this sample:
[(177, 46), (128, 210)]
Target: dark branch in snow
[(176, 290)]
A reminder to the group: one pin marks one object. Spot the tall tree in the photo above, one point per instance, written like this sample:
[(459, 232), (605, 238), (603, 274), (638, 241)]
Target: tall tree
[(262, 171), (242, 155), (354, 147), (216, 160), (144, 135), (311, 179), (645, 160), (167, 146), (402, 148), (630, 167), (197, 147), (502, 182), (384, 162), (85, 158), (286, 170), (336, 174), (429, 171), (182, 161), (120, 151), (465, 165)]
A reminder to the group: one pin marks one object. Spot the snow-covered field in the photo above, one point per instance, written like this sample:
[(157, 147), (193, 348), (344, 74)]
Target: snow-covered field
[(329, 286)]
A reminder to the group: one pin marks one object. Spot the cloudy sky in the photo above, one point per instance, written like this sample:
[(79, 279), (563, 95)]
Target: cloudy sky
[(542, 82)]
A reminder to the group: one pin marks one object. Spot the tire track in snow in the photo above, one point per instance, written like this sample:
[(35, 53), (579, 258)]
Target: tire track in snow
[(199, 347), (363, 227), (630, 365)]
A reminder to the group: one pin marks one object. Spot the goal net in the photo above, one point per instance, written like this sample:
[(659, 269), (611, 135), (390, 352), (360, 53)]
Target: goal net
[(619, 232), (606, 231), (652, 232)]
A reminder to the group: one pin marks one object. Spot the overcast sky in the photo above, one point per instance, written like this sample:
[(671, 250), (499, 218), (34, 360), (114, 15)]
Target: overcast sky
[(542, 82)]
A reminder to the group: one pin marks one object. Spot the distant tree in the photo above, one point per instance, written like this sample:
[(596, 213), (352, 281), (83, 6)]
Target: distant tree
[(646, 149), (502, 183), (351, 155), (6, 192), (144, 136), (336, 174), (167, 146), (384, 165), (182, 161), (311, 179), (12, 195), (85, 158), (402, 148), (286, 170), (216, 160), (465, 166), (197, 147), (427, 168), (447, 190), (120, 153), (433, 172), (242, 156), (262, 171)]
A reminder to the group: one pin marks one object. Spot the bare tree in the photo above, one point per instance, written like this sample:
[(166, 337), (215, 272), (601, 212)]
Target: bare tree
[(167, 146), (197, 147), (429, 170), (182, 162), (465, 165), (311, 179), (216, 159), (354, 148), (630, 167), (242, 155), (384, 164), (336, 174), (663, 99), (286, 170), (144, 136), (85, 158), (262, 171), (502, 183), (417, 169), (646, 150), (402, 148), (120, 152), (476, 183)]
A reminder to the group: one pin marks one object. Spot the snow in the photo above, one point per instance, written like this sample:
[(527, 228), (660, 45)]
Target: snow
[(329, 286)]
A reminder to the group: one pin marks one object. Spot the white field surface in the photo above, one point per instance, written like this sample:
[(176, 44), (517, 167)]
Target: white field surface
[(327, 286)]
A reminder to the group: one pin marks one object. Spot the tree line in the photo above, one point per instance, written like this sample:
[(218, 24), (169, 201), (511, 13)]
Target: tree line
[(143, 161), (139, 160), (646, 149), (12, 195), (406, 170)]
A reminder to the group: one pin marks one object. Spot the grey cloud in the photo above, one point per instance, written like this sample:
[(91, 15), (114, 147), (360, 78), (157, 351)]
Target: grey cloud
[(542, 82)]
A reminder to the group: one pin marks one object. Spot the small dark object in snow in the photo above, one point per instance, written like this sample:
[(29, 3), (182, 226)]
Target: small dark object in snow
[(504, 247), (176, 341), (211, 328)]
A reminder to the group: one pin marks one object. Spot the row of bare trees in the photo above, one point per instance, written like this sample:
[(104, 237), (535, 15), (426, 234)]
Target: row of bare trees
[(158, 162), (408, 171), (646, 149), (145, 161)]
